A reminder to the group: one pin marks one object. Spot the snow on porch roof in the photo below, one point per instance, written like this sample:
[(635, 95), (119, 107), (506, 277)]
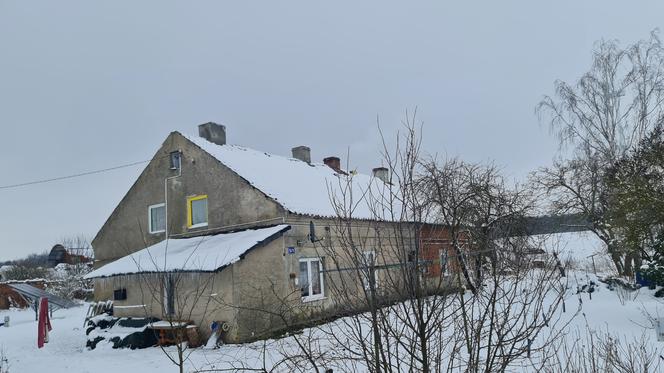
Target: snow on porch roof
[(298, 186), (201, 253)]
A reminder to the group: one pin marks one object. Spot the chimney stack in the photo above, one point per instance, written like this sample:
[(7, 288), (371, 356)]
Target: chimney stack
[(333, 163), (213, 132), (382, 173), (302, 153)]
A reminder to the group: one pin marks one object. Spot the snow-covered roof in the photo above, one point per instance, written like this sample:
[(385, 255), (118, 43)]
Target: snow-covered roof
[(298, 186), (201, 253)]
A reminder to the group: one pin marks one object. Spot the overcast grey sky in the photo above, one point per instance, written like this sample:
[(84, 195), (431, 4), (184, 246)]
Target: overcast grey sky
[(87, 85)]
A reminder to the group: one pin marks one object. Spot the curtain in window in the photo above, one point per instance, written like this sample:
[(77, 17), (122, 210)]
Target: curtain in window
[(158, 218), (304, 278), (315, 277)]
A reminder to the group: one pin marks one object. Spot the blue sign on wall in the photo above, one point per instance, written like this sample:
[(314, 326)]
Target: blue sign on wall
[(291, 250)]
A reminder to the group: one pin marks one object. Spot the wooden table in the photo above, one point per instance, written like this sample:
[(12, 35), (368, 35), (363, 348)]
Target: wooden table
[(171, 332)]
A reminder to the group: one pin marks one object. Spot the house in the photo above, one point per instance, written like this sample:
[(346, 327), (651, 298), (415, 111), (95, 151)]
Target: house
[(60, 254), (217, 232)]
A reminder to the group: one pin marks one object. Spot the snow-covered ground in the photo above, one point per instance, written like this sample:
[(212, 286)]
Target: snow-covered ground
[(66, 351)]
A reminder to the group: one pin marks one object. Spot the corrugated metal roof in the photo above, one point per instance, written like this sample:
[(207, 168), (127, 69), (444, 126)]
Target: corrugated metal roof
[(33, 293)]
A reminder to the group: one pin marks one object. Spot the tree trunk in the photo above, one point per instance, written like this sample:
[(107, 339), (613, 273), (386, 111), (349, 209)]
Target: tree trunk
[(617, 260)]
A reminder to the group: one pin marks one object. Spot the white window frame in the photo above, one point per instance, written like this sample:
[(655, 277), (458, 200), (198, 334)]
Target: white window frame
[(311, 296), (365, 264), (150, 208)]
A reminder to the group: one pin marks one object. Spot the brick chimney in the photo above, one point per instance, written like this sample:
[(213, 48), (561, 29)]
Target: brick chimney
[(213, 132), (302, 153), (382, 173), (333, 163)]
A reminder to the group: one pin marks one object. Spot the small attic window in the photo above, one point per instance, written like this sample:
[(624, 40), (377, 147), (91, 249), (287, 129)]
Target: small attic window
[(175, 160)]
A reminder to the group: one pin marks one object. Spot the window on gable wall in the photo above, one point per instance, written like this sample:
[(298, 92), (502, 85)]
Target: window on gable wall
[(175, 160), (311, 279), (197, 211), (157, 218)]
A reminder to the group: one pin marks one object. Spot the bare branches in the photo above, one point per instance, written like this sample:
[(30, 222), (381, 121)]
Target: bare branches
[(612, 106), (598, 351), (602, 117)]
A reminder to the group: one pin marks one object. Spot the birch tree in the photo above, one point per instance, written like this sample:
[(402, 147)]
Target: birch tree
[(598, 119)]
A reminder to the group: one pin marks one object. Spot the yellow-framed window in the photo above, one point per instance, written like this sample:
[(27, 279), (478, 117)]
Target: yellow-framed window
[(197, 211)]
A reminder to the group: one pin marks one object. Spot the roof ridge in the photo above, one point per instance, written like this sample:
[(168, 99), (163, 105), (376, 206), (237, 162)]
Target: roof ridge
[(198, 140)]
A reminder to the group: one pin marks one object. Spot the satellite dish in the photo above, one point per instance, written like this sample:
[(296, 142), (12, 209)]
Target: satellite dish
[(312, 232)]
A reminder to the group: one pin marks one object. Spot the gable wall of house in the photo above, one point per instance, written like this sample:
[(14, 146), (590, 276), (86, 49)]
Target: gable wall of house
[(231, 201)]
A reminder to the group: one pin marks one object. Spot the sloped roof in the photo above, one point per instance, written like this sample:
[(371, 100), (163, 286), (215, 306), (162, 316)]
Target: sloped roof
[(201, 253), (300, 187), (33, 293)]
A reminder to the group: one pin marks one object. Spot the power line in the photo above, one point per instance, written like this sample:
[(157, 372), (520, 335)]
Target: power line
[(72, 176)]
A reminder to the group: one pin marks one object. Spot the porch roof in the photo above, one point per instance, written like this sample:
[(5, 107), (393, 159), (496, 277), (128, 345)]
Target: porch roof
[(196, 254)]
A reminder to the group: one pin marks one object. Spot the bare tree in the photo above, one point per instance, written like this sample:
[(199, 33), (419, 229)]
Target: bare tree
[(415, 315), (590, 351), (176, 297), (601, 117), (182, 297), (513, 310), (400, 296), (383, 268), (70, 282)]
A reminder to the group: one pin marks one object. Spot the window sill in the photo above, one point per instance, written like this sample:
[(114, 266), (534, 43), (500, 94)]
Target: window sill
[(313, 298), (157, 232), (200, 225)]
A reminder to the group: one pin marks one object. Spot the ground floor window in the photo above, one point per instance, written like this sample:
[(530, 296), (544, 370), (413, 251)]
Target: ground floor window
[(311, 278)]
